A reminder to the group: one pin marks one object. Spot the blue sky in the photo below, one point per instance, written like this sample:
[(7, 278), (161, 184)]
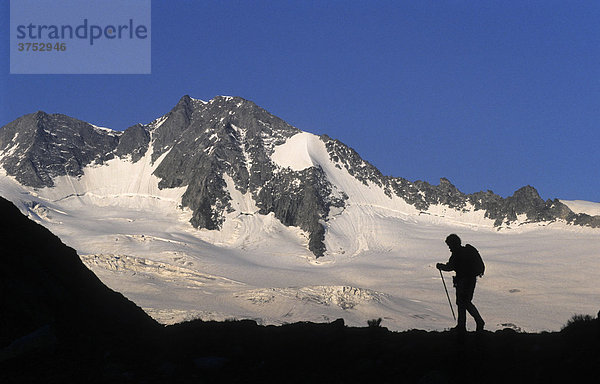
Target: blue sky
[(489, 94)]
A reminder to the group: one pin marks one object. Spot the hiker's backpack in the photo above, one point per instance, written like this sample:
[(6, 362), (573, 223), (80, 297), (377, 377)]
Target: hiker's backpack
[(475, 263)]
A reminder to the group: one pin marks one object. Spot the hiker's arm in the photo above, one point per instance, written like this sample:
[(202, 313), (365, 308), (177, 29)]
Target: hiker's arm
[(449, 266), (444, 267)]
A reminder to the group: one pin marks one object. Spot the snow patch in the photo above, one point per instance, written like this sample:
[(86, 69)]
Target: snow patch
[(111, 132), (198, 101), (242, 143), (158, 122), (242, 203)]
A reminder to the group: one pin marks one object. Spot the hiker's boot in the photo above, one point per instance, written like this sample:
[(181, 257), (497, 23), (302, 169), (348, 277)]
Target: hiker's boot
[(459, 329), (480, 325)]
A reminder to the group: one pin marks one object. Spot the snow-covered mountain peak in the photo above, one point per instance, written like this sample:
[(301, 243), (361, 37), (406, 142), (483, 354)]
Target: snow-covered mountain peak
[(230, 155)]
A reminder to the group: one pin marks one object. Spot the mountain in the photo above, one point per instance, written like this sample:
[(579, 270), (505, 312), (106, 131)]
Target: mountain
[(219, 210), (202, 145)]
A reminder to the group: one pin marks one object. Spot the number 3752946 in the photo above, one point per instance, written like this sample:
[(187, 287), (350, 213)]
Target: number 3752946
[(42, 47)]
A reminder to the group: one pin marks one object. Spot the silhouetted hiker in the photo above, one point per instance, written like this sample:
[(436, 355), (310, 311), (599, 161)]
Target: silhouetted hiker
[(467, 264)]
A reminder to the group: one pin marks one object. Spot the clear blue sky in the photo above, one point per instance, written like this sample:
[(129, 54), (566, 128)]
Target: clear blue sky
[(490, 94)]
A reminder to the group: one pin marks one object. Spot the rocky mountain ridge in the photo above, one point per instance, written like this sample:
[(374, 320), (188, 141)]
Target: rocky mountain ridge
[(198, 143)]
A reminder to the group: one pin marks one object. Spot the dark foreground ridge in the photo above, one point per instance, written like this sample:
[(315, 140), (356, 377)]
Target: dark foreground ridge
[(60, 324)]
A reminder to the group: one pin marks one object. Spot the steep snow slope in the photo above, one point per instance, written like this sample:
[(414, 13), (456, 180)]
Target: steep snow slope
[(380, 259), (579, 206), (357, 228)]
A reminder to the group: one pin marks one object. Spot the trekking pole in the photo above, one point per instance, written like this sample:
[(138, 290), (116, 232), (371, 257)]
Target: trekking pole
[(447, 295)]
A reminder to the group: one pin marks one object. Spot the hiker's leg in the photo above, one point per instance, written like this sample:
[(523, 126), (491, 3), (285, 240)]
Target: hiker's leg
[(478, 319), (464, 297), (474, 312), (470, 307), (462, 309)]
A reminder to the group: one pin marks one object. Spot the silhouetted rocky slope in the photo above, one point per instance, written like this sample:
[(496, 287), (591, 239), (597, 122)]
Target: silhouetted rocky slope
[(60, 324), (51, 303), (44, 283)]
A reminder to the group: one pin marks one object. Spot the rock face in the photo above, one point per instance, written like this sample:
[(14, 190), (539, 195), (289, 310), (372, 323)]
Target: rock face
[(207, 140), (199, 144), (44, 283), (38, 147), (134, 141)]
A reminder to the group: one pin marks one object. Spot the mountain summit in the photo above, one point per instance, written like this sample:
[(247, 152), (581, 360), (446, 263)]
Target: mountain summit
[(230, 146)]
